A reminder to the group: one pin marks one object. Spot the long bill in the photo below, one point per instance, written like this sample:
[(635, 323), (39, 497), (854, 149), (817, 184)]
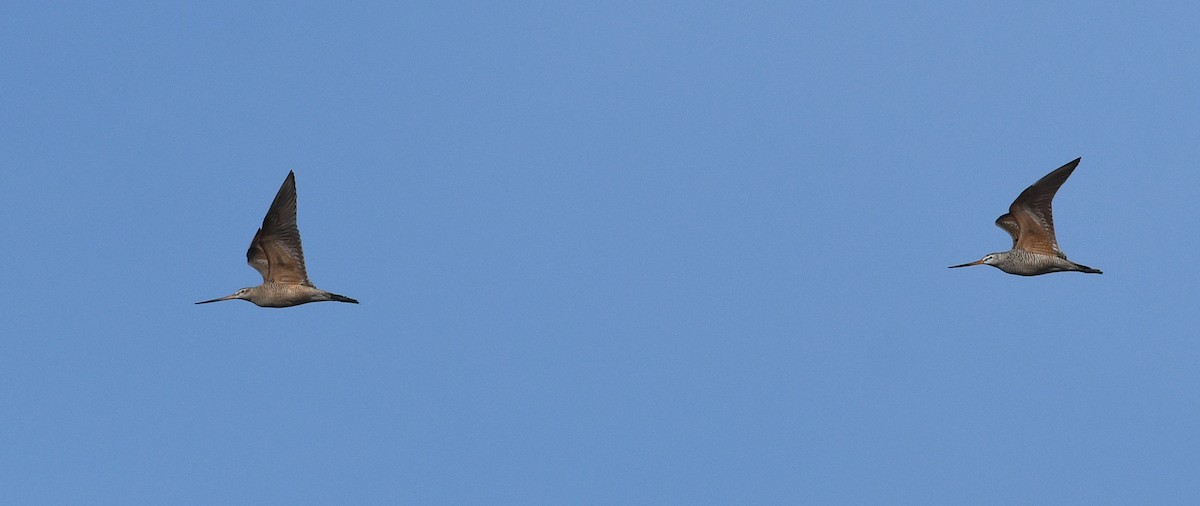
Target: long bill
[(977, 262), (219, 299)]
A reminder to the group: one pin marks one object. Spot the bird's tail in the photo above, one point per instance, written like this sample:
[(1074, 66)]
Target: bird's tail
[(343, 298), (1089, 270)]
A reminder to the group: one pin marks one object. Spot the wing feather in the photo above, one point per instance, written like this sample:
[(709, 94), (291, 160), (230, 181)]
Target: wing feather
[(1034, 216), (1009, 224), (275, 252)]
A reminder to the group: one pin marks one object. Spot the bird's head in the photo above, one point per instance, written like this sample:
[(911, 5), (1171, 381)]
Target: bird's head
[(989, 259), (243, 294)]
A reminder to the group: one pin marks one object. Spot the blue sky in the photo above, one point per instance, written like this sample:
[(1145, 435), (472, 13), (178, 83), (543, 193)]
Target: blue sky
[(607, 253)]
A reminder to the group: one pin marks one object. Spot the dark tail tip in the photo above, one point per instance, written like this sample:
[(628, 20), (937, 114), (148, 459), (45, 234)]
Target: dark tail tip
[(342, 298), (1088, 270)]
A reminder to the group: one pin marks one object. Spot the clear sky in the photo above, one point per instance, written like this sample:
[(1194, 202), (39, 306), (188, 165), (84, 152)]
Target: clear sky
[(607, 253)]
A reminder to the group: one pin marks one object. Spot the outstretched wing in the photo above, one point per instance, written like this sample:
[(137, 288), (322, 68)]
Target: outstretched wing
[(1033, 215), (275, 251), (1009, 224)]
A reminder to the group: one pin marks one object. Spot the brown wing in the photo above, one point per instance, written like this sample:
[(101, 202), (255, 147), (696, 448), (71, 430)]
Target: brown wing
[(1009, 224), (1033, 215), (275, 251)]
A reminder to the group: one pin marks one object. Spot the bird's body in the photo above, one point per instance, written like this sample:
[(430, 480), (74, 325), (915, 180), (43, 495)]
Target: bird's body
[(1025, 263), (272, 294), (276, 253), (1030, 222)]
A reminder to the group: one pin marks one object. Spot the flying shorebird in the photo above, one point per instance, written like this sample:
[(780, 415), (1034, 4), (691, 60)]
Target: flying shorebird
[(276, 254), (1031, 225)]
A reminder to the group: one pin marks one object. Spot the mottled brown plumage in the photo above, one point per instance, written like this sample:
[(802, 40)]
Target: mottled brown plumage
[(275, 252), (1030, 222)]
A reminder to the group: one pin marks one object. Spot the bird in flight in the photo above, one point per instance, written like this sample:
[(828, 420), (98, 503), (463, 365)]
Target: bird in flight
[(276, 254), (1030, 223)]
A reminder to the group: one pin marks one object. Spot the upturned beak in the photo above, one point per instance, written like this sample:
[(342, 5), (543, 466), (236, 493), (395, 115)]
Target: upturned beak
[(977, 262), (227, 297)]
